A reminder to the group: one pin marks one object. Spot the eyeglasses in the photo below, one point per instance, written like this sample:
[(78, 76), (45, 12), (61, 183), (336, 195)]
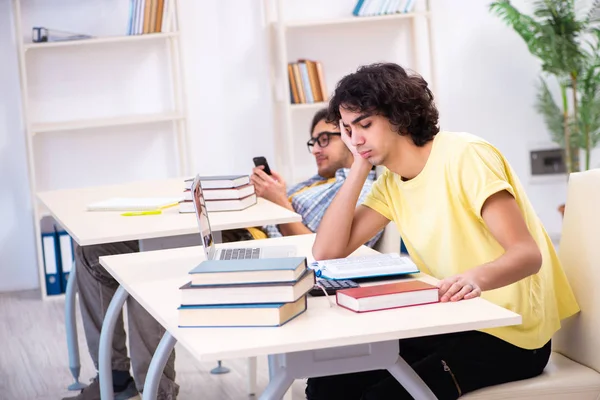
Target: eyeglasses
[(322, 139)]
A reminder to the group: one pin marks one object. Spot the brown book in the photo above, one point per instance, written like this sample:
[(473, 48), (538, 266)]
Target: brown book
[(147, 15), (293, 87), (153, 10), (323, 86), (160, 4), (313, 78)]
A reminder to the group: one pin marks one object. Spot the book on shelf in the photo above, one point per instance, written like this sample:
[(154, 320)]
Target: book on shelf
[(149, 16), (187, 206), (307, 82), (245, 293), (387, 296), (369, 8)]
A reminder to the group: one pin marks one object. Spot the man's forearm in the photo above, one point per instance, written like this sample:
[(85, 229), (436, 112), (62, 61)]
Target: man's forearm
[(334, 230), (515, 264), (294, 228)]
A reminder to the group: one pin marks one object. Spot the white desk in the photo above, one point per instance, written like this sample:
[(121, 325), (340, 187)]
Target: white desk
[(370, 339), (68, 207), (167, 230)]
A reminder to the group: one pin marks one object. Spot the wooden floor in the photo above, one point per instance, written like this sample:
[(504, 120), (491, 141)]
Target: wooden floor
[(34, 363)]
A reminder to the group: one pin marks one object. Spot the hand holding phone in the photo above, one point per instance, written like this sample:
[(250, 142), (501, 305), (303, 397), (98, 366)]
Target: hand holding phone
[(262, 161)]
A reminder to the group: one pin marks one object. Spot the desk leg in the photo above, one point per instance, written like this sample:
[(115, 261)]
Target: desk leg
[(71, 327), (409, 379), (279, 384), (252, 376), (157, 366), (219, 369), (106, 339)]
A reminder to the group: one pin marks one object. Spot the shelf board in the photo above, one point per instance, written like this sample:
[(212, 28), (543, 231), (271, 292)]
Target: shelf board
[(103, 122), (353, 20), (309, 106), (100, 40)]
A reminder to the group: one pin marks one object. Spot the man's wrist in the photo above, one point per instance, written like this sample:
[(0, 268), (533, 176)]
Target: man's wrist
[(284, 202), (361, 164), (478, 276)]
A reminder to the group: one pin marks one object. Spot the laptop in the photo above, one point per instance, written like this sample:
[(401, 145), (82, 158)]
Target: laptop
[(242, 253)]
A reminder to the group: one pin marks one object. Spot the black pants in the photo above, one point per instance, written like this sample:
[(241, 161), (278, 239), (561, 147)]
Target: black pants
[(451, 365)]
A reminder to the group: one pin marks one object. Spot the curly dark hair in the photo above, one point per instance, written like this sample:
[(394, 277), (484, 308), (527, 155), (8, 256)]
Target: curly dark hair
[(318, 117), (386, 89)]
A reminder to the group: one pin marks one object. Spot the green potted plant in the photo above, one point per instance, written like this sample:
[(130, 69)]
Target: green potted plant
[(565, 37)]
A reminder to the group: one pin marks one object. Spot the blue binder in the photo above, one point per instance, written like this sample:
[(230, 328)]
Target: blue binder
[(51, 252), (66, 256)]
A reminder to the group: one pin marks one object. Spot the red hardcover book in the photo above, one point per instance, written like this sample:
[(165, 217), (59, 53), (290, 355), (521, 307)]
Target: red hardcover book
[(387, 296)]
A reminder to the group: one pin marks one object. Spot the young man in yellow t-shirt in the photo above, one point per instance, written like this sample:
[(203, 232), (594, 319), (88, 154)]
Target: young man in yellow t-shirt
[(464, 218)]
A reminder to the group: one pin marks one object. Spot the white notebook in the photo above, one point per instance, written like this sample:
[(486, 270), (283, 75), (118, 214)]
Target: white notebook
[(134, 204), (370, 266)]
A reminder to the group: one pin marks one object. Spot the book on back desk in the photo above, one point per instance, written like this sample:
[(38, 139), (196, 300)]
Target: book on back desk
[(187, 206), (220, 181), (222, 194), (386, 296)]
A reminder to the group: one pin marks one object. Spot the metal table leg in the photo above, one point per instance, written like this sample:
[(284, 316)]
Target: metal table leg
[(278, 386), (157, 366), (409, 379), (252, 362), (106, 339), (219, 369), (71, 328)]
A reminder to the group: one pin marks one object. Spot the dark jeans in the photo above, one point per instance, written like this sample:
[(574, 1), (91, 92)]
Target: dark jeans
[(451, 365)]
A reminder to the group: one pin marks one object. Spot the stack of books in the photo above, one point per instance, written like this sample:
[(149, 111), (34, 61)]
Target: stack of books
[(221, 193), (307, 82), (149, 16), (245, 293), (369, 8)]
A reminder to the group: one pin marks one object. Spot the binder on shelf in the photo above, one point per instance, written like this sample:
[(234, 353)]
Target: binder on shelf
[(40, 34), (51, 253), (67, 257)]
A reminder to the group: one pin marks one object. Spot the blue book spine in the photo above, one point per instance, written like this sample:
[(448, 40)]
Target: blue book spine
[(130, 24), (306, 82), (357, 8)]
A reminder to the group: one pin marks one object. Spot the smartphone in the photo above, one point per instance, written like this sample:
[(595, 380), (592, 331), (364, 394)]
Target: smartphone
[(262, 161)]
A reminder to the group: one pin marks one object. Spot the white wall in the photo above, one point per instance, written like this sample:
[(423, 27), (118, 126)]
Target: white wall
[(17, 251), (485, 79), (230, 118)]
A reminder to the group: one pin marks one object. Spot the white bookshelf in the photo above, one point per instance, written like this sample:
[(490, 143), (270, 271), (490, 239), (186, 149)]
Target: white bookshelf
[(100, 40), (286, 32), (351, 20), (44, 133)]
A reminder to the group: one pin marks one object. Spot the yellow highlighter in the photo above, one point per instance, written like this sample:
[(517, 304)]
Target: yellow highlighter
[(139, 213)]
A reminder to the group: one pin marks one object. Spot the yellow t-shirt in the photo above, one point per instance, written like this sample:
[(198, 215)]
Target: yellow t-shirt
[(438, 215)]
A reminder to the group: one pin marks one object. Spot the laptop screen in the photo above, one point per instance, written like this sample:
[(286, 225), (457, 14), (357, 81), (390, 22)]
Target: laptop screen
[(202, 216)]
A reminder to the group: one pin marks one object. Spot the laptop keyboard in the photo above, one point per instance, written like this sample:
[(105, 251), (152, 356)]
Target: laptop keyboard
[(240, 254)]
